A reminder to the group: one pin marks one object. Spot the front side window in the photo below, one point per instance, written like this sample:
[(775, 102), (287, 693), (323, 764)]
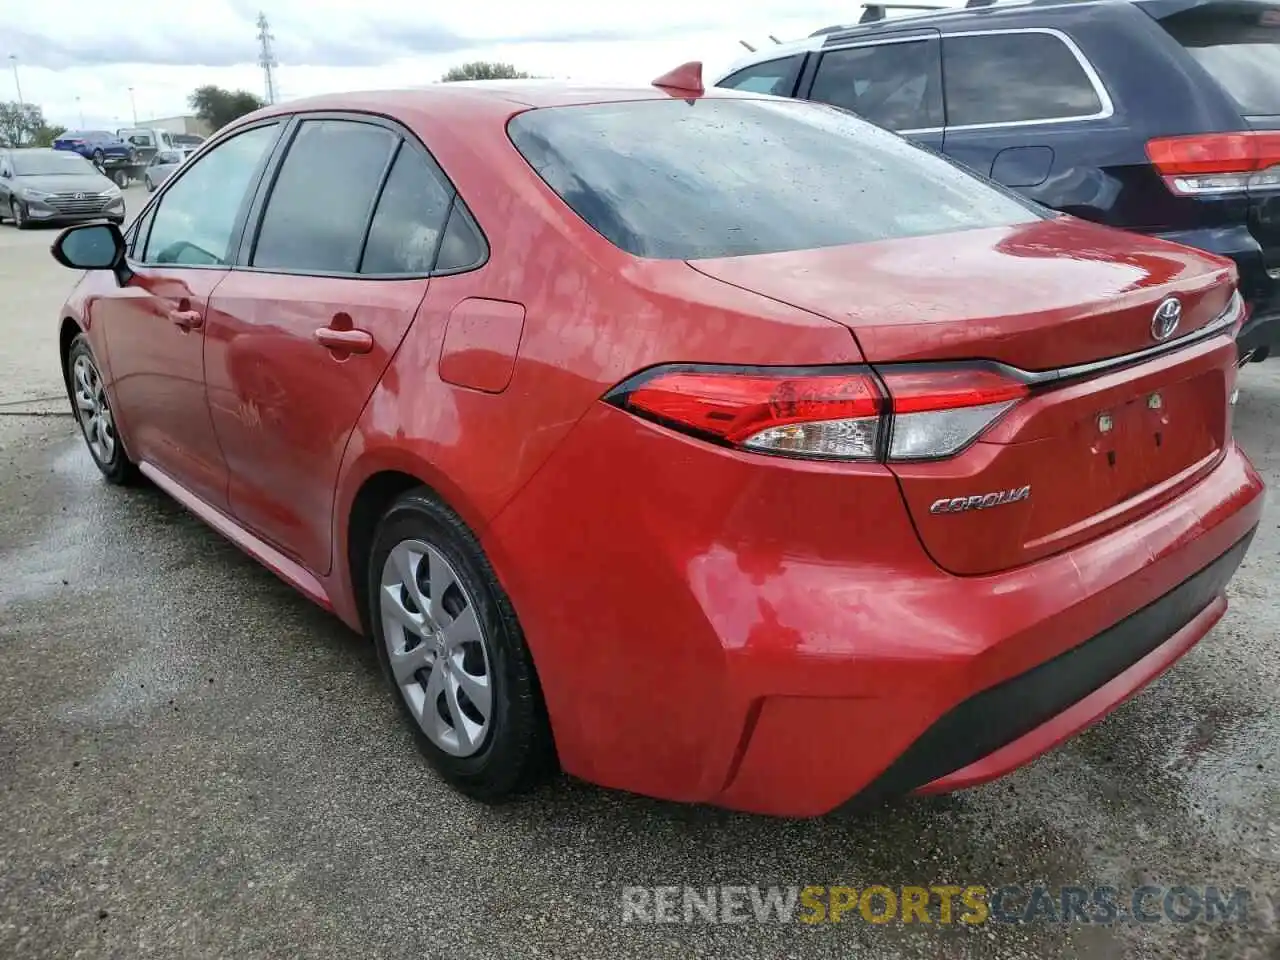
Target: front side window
[(1014, 77), (777, 77), (895, 85), (316, 216), (726, 177), (196, 217)]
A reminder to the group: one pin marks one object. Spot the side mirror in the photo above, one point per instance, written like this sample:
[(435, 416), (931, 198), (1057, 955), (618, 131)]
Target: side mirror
[(93, 246)]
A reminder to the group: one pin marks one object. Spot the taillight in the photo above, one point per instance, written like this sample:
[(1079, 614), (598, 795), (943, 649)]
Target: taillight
[(938, 412), (852, 413), (1212, 163)]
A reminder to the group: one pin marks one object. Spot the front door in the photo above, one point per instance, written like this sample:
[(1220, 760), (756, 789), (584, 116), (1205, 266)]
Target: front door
[(154, 325), (297, 343)]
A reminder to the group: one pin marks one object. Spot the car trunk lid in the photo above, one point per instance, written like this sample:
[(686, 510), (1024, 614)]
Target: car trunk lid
[(1089, 449)]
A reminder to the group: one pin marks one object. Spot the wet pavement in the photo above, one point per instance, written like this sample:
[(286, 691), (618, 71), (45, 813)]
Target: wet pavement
[(195, 762)]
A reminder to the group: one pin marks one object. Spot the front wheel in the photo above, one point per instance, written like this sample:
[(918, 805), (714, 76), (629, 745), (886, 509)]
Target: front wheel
[(92, 410), (18, 213), (454, 653)]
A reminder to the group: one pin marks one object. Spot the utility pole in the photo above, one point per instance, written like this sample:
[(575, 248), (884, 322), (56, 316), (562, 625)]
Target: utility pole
[(133, 106), (266, 58), (13, 58), (80, 109)]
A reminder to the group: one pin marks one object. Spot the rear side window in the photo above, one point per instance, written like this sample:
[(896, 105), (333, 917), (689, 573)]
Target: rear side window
[(777, 77), (315, 219), (897, 85), (1015, 77), (1239, 48), (411, 215), (728, 177)]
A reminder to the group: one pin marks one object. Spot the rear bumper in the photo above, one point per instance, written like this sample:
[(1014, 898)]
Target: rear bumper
[(769, 635), (1004, 726)]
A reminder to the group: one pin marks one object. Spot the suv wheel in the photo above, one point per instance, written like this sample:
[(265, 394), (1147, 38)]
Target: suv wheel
[(454, 653)]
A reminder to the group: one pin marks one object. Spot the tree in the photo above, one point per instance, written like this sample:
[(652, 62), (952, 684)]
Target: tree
[(218, 107), (46, 134), (20, 124), (484, 70)]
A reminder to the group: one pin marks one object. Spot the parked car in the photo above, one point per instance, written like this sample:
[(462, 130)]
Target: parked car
[(50, 186), (146, 142), (162, 165), (724, 448), (1158, 116), (100, 146)]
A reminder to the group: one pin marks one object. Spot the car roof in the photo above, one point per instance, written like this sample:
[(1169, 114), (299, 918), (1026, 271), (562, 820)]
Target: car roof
[(980, 10), (492, 97)]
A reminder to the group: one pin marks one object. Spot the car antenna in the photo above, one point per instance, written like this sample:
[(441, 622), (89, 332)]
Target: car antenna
[(686, 78), (747, 45)]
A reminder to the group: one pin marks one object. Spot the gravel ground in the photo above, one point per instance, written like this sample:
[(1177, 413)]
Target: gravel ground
[(195, 762)]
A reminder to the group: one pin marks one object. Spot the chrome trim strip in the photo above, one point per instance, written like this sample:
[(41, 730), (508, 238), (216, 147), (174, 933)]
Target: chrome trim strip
[(1220, 324), (1104, 98)]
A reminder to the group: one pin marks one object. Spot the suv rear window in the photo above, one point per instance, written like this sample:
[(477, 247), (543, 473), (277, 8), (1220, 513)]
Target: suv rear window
[(1239, 46), (671, 179)]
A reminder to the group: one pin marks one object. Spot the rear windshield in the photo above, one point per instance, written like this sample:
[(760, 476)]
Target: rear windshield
[(715, 177), (1238, 44)]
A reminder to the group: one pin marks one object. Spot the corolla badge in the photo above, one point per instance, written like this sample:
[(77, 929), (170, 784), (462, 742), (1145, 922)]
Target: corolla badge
[(981, 501), (1167, 317)]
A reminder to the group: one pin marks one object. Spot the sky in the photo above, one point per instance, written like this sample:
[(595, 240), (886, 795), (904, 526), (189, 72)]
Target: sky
[(78, 60)]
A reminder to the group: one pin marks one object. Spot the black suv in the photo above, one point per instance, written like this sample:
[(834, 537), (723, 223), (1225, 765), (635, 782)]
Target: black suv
[(1158, 116)]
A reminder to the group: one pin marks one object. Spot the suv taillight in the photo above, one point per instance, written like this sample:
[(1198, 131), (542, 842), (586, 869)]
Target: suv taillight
[(922, 412), (1212, 163)]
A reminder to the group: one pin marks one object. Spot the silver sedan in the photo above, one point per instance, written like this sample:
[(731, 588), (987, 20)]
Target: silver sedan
[(162, 165)]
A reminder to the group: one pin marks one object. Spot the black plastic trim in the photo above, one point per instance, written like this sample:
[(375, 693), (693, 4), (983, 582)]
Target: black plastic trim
[(999, 715)]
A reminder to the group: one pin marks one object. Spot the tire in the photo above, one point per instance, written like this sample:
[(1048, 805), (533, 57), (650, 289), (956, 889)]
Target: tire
[(121, 178), (151, 187), (89, 404), (97, 157), (511, 749), (18, 213)]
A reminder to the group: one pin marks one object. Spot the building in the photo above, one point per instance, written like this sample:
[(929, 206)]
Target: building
[(183, 124)]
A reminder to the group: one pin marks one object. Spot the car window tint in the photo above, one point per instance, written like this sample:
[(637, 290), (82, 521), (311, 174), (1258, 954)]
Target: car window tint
[(1010, 77), (411, 213), (462, 246), (897, 85), (319, 207), (728, 176), (774, 76), (1239, 47), (194, 222)]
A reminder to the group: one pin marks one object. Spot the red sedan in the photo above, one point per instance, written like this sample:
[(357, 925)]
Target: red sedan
[(707, 445)]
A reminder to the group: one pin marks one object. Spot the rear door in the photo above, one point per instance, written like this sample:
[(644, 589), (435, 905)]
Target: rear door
[(894, 81), (302, 332)]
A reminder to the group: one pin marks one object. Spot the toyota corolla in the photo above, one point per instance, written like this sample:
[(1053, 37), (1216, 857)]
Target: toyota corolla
[(708, 445)]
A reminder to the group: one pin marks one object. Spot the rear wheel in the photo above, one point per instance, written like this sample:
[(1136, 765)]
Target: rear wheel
[(453, 651), (93, 412), (97, 157), (146, 180)]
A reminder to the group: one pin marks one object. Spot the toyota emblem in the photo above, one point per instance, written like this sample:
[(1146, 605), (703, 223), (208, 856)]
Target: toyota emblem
[(79, 196), (1167, 317)]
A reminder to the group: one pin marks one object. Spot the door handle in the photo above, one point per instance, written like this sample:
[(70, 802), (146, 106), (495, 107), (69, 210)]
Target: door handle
[(348, 341), (187, 319)]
